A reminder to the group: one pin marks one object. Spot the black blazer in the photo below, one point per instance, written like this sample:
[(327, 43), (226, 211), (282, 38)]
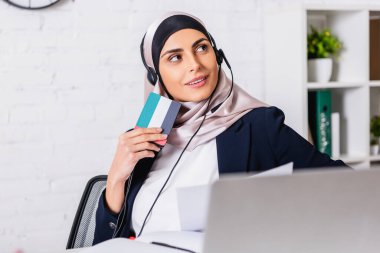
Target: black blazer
[(257, 142)]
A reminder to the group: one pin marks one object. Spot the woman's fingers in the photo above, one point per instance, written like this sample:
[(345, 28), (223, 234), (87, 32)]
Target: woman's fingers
[(141, 135), (144, 154), (140, 131), (145, 146), (147, 138)]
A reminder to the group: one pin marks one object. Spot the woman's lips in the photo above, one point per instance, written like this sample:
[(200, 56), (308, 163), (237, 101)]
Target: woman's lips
[(198, 82)]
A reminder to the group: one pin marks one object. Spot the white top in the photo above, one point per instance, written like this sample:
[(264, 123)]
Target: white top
[(198, 167)]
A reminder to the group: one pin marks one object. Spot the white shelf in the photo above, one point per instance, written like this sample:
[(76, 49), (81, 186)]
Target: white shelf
[(333, 85), (375, 158), (339, 7), (374, 83)]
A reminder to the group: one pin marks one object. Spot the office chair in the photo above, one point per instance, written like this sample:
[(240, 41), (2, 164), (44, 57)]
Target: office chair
[(83, 228)]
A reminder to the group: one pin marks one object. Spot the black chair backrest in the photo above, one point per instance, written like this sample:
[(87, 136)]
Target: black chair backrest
[(83, 228)]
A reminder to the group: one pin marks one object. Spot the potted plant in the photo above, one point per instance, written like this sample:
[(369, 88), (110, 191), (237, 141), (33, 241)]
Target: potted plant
[(375, 134), (321, 47)]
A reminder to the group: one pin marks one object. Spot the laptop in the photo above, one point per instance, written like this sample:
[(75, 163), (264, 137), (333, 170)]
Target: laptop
[(327, 211), (320, 211)]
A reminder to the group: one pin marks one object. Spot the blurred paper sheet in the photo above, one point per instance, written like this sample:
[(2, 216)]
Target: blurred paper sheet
[(286, 169), (193, 201), (192, 207)]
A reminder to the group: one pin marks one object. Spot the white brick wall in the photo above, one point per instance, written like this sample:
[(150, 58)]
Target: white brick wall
[(71, 82)]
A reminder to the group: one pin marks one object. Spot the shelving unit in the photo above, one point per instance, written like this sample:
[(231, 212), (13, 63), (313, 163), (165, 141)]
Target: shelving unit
[(355, 83)]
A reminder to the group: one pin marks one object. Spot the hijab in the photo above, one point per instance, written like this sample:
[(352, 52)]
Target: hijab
[(225, 108)]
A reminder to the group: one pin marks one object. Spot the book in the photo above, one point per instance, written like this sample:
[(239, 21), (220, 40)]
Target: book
[(158, 111), (320, 119), (335, 134)]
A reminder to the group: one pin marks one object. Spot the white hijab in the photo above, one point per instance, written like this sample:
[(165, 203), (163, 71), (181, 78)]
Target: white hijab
[(191, 114)]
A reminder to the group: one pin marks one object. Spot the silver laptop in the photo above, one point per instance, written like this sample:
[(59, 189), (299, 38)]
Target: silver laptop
[(326, 211)]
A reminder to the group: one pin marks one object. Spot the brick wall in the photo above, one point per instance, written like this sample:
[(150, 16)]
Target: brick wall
[(71, 82)]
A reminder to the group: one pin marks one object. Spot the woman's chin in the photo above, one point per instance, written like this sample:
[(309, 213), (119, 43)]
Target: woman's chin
[(191, 94), (198, 97)]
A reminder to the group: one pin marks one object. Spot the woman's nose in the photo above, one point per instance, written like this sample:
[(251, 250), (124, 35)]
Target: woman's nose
[(194, 63)]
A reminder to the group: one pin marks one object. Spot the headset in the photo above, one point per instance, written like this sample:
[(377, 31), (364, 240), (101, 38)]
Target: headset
[(152, 77)]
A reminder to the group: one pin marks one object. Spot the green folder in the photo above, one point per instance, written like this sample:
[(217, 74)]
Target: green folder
[(320, 119)]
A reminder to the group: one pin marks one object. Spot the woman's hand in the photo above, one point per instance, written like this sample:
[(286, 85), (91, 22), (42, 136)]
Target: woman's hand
[(133, 146)]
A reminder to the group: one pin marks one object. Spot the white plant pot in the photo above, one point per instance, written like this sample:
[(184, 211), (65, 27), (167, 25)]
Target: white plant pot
[(319, 70), (374, 149)]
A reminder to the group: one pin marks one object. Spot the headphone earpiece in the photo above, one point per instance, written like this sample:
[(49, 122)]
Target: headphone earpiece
[(223, 57), (218, 52), (219, 56), (151, 75)]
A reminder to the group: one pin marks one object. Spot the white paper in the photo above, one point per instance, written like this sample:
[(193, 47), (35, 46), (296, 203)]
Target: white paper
[(193, 201), (192, 207), (283, 170)]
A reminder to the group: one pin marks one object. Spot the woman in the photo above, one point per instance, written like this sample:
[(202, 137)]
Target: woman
[(220, 129)]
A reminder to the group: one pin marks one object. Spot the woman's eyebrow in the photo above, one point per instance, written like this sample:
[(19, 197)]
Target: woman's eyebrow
[(198, 41), (176, 50)]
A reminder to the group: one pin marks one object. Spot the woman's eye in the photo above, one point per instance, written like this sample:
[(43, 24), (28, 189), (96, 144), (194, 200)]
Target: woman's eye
[(202, 48), (174, 58)]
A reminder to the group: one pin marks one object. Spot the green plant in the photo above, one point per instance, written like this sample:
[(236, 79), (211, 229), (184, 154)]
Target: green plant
[(322, 44), (375, 126)]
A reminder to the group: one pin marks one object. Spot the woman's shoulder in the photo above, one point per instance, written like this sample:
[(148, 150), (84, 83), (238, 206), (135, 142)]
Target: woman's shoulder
[(264, 115), (259, 120)]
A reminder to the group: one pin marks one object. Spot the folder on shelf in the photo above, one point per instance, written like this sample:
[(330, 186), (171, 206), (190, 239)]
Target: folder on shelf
[(320, 119)]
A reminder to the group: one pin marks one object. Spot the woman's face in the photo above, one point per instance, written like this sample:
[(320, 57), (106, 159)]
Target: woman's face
[(188, 66)]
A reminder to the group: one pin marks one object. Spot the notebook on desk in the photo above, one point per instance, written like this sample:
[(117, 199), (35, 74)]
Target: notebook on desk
[(325, 211)]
